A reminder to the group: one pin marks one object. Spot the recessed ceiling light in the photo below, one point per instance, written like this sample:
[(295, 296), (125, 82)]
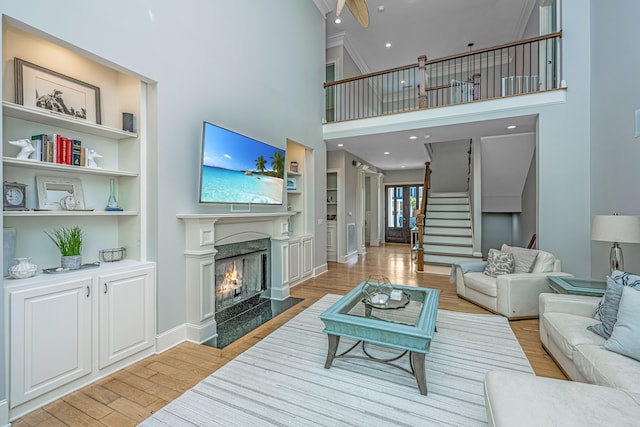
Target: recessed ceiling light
[(381, 8), (340, 145), (413, 137), (386, 152), (387, 45), (511, 127), (402, 167), (427, 136), (338, 20)]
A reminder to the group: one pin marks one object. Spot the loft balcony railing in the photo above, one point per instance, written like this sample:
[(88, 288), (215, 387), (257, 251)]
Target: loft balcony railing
[(518, 68)]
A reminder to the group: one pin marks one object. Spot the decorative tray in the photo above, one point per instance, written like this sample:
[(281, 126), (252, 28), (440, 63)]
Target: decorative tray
[(56, 270), (390, 304)]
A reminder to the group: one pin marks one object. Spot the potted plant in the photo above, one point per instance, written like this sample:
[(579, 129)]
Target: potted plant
[(69, 242)]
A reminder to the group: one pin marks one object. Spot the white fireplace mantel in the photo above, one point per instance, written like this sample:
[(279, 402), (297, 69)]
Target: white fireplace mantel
[(202, 233)]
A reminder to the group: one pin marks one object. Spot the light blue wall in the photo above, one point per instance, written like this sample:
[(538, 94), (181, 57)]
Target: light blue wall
[(216, 60), (615, 95)]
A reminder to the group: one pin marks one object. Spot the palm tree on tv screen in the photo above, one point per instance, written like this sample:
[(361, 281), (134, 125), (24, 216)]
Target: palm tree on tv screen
[(277, 163), (261, 162)]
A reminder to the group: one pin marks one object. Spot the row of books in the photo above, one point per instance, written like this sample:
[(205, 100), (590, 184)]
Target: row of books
[(55, 148)]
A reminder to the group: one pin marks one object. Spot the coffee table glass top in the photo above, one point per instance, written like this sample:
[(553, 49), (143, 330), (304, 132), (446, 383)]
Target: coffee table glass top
[(411, 327), (577, 286)]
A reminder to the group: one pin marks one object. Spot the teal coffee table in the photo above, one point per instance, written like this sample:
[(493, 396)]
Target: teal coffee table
[(577, 286), (409, 326)]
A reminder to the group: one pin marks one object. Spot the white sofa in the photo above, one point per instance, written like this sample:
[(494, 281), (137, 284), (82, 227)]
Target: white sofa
[(611, 397), (515, 295), (580, 353)]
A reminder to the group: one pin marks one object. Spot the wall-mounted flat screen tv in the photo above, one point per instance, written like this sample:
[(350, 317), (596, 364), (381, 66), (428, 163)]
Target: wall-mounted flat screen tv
[(238, 169)]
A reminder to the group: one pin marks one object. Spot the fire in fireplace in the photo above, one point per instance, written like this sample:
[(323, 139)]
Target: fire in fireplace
[(242, 272)]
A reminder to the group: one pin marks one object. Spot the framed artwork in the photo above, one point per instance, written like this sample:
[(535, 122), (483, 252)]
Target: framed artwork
[(291, 184), (55, 193), (40, 87)]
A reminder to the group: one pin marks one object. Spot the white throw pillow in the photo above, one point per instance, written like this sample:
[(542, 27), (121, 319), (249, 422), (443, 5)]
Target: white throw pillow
[(545, 262), (525, 258), (625, 338)]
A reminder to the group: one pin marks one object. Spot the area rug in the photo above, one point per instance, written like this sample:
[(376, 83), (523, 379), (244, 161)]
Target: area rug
[(281, 381)]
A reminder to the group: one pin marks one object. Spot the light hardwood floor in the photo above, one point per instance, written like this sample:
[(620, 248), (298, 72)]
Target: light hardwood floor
[(133, 394)]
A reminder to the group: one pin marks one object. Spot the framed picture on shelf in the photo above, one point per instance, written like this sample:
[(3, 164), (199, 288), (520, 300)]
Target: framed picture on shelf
[(55, 193), (291, 184), (40, 87)]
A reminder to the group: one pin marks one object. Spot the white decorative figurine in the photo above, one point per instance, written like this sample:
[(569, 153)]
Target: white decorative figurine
[(91, 156), (26, 148)]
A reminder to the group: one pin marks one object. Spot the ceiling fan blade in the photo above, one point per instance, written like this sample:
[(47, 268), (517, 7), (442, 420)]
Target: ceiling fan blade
[(360, 11), (339, 7)]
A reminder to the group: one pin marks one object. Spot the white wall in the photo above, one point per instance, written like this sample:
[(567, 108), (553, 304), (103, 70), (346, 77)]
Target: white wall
[(215, 60), (615, 95), (450, 166)]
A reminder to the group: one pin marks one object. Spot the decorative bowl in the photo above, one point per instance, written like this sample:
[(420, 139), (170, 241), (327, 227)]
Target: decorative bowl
[(23, 269)]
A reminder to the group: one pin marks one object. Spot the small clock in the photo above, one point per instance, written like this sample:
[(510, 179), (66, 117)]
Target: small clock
[(14, 196)]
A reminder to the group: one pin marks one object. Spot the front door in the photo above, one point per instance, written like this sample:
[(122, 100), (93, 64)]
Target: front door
[(400, 203)]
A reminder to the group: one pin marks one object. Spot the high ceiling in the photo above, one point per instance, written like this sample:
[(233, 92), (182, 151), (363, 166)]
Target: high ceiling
[(436, 28)]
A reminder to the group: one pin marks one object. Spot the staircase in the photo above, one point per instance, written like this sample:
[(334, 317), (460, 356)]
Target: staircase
[(447, 233)]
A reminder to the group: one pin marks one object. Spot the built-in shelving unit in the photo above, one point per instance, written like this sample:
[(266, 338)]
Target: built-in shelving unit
[(96, 320), (332, 215), (121, 155), (300, 236)]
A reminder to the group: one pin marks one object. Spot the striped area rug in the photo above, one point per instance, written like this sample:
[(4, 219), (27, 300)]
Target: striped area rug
[(281, 381)]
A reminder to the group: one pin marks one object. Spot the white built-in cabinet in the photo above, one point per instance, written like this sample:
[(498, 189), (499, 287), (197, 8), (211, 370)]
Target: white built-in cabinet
[(50, 336), (126, 313), (301, 237), (65, 330), (300, 258)]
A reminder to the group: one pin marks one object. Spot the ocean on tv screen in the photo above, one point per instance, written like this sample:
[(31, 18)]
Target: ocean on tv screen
[(230, 186)]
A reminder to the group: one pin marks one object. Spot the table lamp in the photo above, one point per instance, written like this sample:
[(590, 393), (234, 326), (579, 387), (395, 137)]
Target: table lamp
[(617, 229)]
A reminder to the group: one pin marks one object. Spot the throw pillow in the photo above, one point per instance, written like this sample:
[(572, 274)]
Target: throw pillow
[(626, 279), (498, 263), (622, 278), (625, 337), (545, 262), (524, 258), (609, 312)]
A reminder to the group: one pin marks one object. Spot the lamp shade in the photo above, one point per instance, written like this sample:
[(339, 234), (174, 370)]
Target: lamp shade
[(616, 228)]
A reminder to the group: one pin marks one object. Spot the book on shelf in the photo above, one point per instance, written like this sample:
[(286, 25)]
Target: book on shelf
[(36, 141), (76, 149)]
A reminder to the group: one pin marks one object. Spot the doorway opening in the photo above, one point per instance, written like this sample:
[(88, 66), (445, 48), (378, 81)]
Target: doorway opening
[(401, 201)]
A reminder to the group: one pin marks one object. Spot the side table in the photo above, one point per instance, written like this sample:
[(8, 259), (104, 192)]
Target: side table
[(577, 286)]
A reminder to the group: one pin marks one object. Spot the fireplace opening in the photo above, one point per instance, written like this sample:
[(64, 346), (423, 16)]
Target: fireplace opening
[(242, 290), (242, 276)]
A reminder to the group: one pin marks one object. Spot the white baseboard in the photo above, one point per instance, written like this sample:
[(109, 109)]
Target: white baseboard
[(346, 258), (4, 413), (321, 269), (171, 338)]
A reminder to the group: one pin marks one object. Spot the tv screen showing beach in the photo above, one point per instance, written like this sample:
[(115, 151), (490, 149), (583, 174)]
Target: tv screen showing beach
[(238, 169)]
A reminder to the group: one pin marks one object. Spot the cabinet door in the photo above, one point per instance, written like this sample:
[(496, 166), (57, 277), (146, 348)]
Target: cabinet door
[(307, 256), (332, 241), (294, 260), (50, 337), (126, 321)]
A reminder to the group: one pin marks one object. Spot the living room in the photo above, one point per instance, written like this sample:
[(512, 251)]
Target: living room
[(225, 63)]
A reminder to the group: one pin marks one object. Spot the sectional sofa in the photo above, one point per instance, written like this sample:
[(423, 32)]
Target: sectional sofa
[(606, 384)]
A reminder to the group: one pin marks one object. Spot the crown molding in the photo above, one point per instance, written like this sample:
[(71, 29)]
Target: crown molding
[(323, 6), (342, 39)]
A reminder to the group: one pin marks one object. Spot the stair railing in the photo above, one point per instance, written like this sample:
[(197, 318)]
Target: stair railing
[(421, 215)]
